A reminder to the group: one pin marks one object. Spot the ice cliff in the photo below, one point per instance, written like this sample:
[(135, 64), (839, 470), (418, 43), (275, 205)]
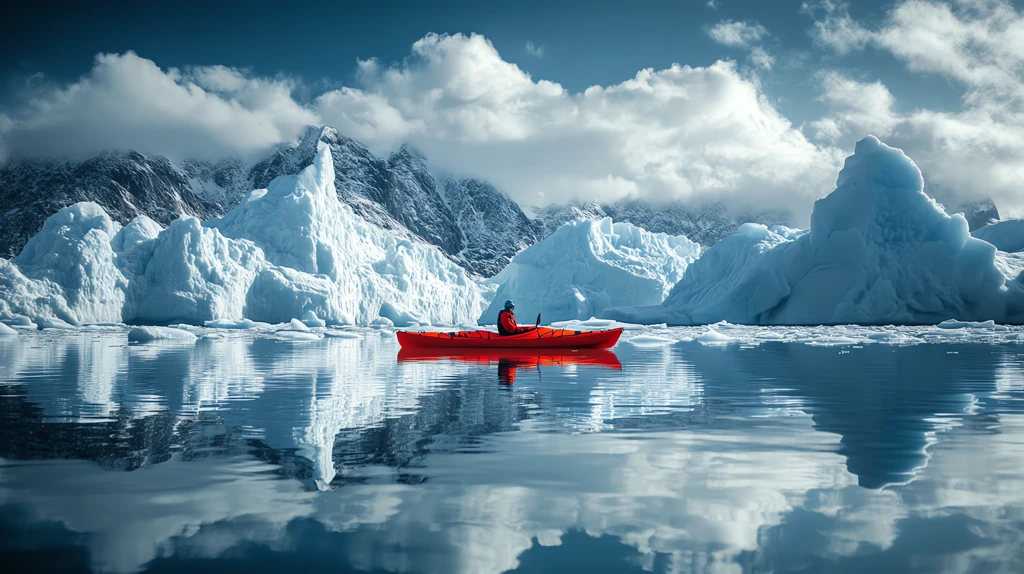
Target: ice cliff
[(283, 252)]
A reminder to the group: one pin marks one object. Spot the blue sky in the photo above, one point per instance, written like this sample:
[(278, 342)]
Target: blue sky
[(834, 71), (584, 43)]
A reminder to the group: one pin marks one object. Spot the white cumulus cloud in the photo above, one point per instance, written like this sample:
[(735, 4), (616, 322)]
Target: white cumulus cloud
[(742, 34), (699, 133), (973, 152), (126, 101)]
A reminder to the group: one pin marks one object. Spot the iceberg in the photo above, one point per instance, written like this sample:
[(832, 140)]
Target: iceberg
[(150, 334), (587, 266), (1005, 235), (878, 251), (291, 251)]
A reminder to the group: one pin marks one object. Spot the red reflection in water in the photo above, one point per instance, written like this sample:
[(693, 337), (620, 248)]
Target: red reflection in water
[(509, 360)]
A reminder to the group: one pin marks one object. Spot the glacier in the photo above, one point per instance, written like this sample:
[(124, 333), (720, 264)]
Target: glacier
[(587, 266), (878, 251), (290, 251)]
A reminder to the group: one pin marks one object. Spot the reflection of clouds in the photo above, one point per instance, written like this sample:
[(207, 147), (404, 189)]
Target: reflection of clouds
[(699, 496), (131, 516)]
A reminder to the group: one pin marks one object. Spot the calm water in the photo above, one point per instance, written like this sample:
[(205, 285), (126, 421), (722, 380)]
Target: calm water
[(259, 455)]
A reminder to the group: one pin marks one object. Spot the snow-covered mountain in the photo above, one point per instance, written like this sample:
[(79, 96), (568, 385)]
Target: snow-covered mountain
[(707, 225), (494, 228), (126, 184), (978, 213), (479, 226)]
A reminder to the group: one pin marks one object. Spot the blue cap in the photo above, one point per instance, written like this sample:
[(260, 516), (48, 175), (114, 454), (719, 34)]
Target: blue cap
[(510, 304)]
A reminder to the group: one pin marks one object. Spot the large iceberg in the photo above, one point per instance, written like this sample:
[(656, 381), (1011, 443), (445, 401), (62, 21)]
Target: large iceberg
[(292, 250), (587, 266), (879, 251), (1006, 235)]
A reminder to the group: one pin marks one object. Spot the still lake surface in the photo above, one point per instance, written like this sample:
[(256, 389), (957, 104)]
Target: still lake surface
[(248, 453)]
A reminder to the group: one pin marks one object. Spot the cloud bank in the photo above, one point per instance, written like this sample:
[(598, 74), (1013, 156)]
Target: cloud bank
[(970, 153), (694, 133)]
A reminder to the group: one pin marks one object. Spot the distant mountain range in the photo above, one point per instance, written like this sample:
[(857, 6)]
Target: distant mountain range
[(474, 223)]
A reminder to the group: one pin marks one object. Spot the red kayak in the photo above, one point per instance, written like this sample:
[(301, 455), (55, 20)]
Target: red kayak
[(540, 339)]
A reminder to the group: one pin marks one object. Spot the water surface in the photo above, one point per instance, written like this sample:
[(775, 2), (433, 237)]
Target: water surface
[(248, 453)]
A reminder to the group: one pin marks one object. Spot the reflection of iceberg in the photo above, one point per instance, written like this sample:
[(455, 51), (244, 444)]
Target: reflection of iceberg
[(886, 405)]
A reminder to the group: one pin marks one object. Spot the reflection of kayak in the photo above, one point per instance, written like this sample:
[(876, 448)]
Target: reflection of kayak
[(508, 360), (540, 339), (518, 357)]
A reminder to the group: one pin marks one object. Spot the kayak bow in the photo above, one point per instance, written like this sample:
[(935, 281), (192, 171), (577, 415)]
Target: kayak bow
[(541, 338)]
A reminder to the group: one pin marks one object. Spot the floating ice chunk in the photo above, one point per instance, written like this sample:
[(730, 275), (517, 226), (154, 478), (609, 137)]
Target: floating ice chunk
[(147, 334), (53, 323), (650, 341), (587, 266), (310, 319), (713, 337), (831, 341), (985, 325), (382, 322), (234, 324), (296, 336), (6, 331), (296, 325), (342, 334)]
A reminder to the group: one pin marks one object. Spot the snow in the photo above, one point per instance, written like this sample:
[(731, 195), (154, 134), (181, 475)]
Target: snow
[(879, 251), (1005, 235), (290, 251), (588, 266), (148, 334), (6, 331)]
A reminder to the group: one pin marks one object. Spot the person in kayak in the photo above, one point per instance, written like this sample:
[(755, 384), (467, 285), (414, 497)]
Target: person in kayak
[(507, 321)]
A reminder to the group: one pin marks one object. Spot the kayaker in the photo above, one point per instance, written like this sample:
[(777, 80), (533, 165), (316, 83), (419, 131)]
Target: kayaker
[(507, 321)]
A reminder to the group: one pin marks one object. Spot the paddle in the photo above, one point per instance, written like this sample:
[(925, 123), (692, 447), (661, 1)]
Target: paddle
[(538, 320)]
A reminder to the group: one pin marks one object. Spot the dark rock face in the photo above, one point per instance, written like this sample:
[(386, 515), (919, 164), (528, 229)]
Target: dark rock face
[(978, 213), (126, 184), (398, 193), (493, 226)]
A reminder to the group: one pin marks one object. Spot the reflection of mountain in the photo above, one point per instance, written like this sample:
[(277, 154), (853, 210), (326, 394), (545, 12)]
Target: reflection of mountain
[(887, 403)]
